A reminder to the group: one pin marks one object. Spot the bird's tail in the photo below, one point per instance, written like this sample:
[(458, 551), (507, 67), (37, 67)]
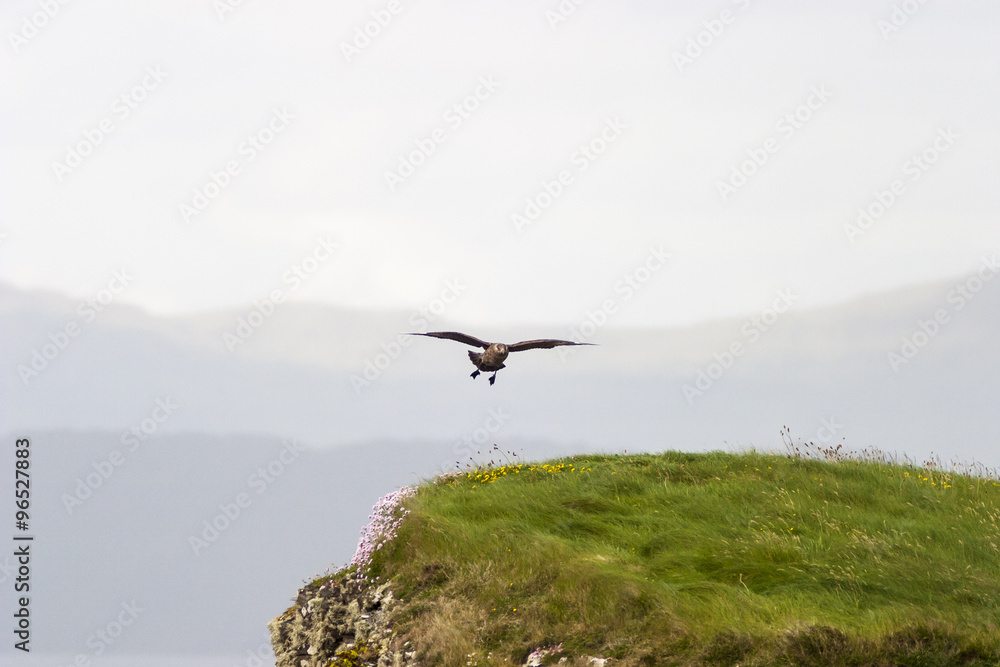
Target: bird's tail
[(477, 358)]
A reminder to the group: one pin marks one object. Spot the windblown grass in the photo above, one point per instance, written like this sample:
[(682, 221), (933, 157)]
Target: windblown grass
[(702, 559)]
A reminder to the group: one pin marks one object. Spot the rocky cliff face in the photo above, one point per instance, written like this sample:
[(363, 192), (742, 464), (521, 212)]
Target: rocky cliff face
[(343, 622)]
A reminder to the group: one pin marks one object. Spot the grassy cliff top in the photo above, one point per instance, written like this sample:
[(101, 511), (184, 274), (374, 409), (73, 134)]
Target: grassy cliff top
[(692, 559)]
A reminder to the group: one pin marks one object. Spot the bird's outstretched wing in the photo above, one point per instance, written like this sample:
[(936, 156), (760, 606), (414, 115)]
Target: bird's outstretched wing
[(542, 343), (457, 336)]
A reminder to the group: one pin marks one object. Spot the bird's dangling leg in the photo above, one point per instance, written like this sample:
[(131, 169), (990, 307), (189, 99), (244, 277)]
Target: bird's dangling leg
[(475, 373), (493, 378)]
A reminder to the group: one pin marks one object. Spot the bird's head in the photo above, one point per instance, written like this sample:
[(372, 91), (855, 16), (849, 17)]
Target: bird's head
[(501, 348)]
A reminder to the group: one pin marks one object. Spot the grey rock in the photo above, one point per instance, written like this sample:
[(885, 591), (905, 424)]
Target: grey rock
[(343, 618)]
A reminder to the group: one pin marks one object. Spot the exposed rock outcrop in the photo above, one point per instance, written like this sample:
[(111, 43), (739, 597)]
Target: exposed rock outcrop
[(344, 622)]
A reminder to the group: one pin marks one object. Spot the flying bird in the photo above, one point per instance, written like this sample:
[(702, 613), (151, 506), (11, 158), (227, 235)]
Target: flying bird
[(493, 357)]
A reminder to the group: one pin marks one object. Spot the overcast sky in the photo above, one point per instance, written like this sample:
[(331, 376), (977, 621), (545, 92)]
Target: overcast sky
[(739, 137)]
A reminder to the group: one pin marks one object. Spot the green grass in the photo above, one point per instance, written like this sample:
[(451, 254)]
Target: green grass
[(701, 559)]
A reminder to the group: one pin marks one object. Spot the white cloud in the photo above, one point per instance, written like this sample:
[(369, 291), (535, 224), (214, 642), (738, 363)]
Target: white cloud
[(452, 217)]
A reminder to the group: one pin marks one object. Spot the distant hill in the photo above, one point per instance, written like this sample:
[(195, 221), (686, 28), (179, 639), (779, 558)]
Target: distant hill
[(296, 376), (669, 559)]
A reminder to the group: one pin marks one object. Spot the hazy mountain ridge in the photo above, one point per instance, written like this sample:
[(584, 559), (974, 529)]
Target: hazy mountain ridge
[(334, 338), (331, 376)]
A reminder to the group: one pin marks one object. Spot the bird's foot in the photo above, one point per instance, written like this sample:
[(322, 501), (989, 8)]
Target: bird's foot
[(475, 374), (493, 378)]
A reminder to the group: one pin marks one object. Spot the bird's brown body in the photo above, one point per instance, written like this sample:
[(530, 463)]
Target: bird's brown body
[(491, 359)]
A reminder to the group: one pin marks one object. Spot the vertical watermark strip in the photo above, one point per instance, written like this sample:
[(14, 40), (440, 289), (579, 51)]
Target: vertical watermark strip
[(23, 541)]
